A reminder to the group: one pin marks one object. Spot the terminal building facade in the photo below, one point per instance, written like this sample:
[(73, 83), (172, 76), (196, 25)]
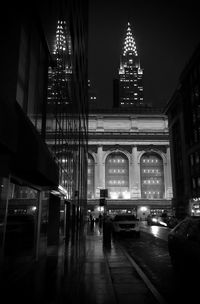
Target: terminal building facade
[(129, 155)]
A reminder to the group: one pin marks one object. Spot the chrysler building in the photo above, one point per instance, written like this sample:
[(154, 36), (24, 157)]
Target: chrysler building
[(130, 83)]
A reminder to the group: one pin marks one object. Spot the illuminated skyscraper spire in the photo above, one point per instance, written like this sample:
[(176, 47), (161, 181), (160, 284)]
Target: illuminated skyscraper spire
[(60, 44), (60, 73), (130, 74), (63, 39), (129, 43)]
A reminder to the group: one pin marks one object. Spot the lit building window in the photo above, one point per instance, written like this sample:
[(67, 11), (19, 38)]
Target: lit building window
[(90, 181), (117, 176), (152, 176)]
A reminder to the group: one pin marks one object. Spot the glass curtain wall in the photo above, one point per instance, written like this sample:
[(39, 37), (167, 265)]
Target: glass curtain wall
[(67, 108), (61, 119), (18, 216)]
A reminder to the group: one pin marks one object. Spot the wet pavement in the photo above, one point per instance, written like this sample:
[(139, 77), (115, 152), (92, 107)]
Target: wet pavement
[(157, 231), (105, 275), (89, 268), (151, 253)]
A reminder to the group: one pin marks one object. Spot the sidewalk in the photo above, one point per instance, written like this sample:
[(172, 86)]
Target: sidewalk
[(106, 275), (90, 269)]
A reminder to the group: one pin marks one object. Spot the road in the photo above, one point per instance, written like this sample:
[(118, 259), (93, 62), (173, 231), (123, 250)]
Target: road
[(157, 231), (150, 252)]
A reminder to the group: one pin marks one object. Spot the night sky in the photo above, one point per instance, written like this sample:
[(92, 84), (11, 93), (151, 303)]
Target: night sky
[(166, 34)]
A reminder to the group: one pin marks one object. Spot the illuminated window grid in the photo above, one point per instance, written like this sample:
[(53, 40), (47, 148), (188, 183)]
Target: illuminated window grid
[(152, 181), (117, 174)]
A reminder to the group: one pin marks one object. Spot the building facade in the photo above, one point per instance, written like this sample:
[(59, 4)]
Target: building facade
[(42, 184), (183, 112), (67, 109), (129, 155)]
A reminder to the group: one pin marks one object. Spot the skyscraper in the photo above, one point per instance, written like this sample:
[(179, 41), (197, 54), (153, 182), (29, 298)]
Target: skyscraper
[(128, 89), (67, 108), (60, 71)]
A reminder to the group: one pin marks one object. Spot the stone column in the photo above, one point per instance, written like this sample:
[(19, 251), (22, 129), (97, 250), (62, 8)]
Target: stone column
[(96, 176), (100, 170), (103, 172), (135, 175), (167, 176)]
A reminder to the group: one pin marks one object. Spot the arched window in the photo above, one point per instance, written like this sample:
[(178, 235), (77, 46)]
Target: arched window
[(152, 177), (90, 180), (117, 175)]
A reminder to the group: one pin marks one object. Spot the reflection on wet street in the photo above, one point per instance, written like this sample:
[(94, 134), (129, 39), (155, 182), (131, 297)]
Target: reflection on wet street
[(84, 279), (90, 267), (102, 274), (157, 231), (152, 255)]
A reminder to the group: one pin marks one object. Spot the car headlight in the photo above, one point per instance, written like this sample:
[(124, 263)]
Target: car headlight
[(163, 223)]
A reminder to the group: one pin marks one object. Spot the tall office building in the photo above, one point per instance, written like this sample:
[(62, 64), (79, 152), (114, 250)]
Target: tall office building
[(67, 107), (60, 71), (43, 128), (128, 89)]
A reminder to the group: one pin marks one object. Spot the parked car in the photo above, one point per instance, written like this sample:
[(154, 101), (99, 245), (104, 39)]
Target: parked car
[(126, 223), (184, 244)]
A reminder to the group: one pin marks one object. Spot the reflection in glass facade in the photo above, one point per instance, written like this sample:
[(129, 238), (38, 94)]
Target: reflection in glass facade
[(152, 178), (117, 175), (31, 85), (67, 112), (90, 187), (50, 107)]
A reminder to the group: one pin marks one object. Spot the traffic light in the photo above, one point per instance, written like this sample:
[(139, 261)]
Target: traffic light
[(103, 192), (102, 202)]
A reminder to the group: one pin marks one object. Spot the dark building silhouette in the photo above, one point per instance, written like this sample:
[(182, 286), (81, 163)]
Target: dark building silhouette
[(43, 128), (183, 110)]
